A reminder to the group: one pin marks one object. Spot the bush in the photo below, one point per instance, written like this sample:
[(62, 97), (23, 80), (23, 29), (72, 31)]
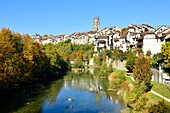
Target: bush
[(78, 63), (153, 65), (158, 108), (122, 76), (96, 60)]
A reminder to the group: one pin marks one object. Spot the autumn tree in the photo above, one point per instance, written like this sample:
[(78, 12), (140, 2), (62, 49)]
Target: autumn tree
[(141, 71), (19, 59), (22, 60)]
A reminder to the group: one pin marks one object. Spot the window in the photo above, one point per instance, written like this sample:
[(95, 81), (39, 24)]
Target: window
[(123, 42)]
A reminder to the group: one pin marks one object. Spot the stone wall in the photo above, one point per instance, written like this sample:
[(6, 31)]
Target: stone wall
[(119, 65)]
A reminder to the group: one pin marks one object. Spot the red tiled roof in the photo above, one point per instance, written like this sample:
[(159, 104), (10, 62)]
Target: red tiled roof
[(48, 37), (123, 34), (92, 32), (103, 36), (116, 39), (147, 32)]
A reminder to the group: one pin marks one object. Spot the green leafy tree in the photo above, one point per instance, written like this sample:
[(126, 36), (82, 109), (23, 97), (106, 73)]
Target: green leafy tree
[(78, 63), (156, 58), (165, 50), (148, 53), (136, 99), (96, 60), (56, 60), (130, 63)]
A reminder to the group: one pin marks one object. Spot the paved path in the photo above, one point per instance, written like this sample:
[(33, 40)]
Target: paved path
[(155, 93)]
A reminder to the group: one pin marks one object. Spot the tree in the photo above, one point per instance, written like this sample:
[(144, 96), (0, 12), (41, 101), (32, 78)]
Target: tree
[(160, 107), (45, 35), (136, 99), (148, 53), (142, 72), (78, 63), (139, 51), (56, 60), (19, 59), (131, 57), (22, 60), (165, 50), (155, 59)]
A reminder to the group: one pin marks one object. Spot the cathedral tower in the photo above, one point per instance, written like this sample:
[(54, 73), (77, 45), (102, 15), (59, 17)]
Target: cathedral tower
[(96, 24)]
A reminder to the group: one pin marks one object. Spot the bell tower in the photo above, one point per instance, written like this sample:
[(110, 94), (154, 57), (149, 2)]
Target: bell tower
[(96, 24)]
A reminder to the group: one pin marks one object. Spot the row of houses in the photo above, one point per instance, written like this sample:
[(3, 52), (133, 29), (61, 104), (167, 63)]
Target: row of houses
[(133, 37)]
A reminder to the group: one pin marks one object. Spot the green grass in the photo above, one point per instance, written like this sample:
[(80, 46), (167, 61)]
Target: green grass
[(161, 89), (157, 87), (129, 80), (117, 71), (155, 99)]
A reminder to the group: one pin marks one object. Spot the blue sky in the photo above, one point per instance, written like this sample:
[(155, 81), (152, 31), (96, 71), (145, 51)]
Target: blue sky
[(54, 17)]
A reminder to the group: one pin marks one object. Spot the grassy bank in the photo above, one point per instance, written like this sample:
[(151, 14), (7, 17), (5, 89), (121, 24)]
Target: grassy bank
[(129, 80), (117, 71), (155, 99), (162, 89)]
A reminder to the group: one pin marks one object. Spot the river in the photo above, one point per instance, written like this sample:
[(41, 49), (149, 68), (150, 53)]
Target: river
[(75, 93)]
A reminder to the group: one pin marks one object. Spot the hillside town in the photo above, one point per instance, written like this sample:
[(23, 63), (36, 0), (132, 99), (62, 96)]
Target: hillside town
[(134, 36)]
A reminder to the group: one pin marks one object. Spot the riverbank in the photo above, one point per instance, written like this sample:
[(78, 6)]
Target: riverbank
[(128, 83), (159, 92), (32, 84), (162, 89)]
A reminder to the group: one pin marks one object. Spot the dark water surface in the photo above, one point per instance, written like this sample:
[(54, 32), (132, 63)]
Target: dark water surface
[(75, 93)]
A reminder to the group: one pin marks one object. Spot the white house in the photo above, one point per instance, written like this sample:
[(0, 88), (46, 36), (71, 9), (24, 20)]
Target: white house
[(37, 38), (165, 35), (152, 42), (146, 28), (160, 29), (103, 42)]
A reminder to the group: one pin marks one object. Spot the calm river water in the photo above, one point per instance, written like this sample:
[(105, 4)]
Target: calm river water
[(75, 93)]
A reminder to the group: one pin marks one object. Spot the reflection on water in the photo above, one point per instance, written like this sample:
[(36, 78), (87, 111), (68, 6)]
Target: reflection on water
[(84, 93), (75, 93)]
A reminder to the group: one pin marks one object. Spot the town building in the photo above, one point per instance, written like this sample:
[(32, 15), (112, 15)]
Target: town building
[(133, 37)]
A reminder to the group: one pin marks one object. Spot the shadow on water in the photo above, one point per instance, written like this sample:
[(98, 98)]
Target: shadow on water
[(85, 92), (29, 100)]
